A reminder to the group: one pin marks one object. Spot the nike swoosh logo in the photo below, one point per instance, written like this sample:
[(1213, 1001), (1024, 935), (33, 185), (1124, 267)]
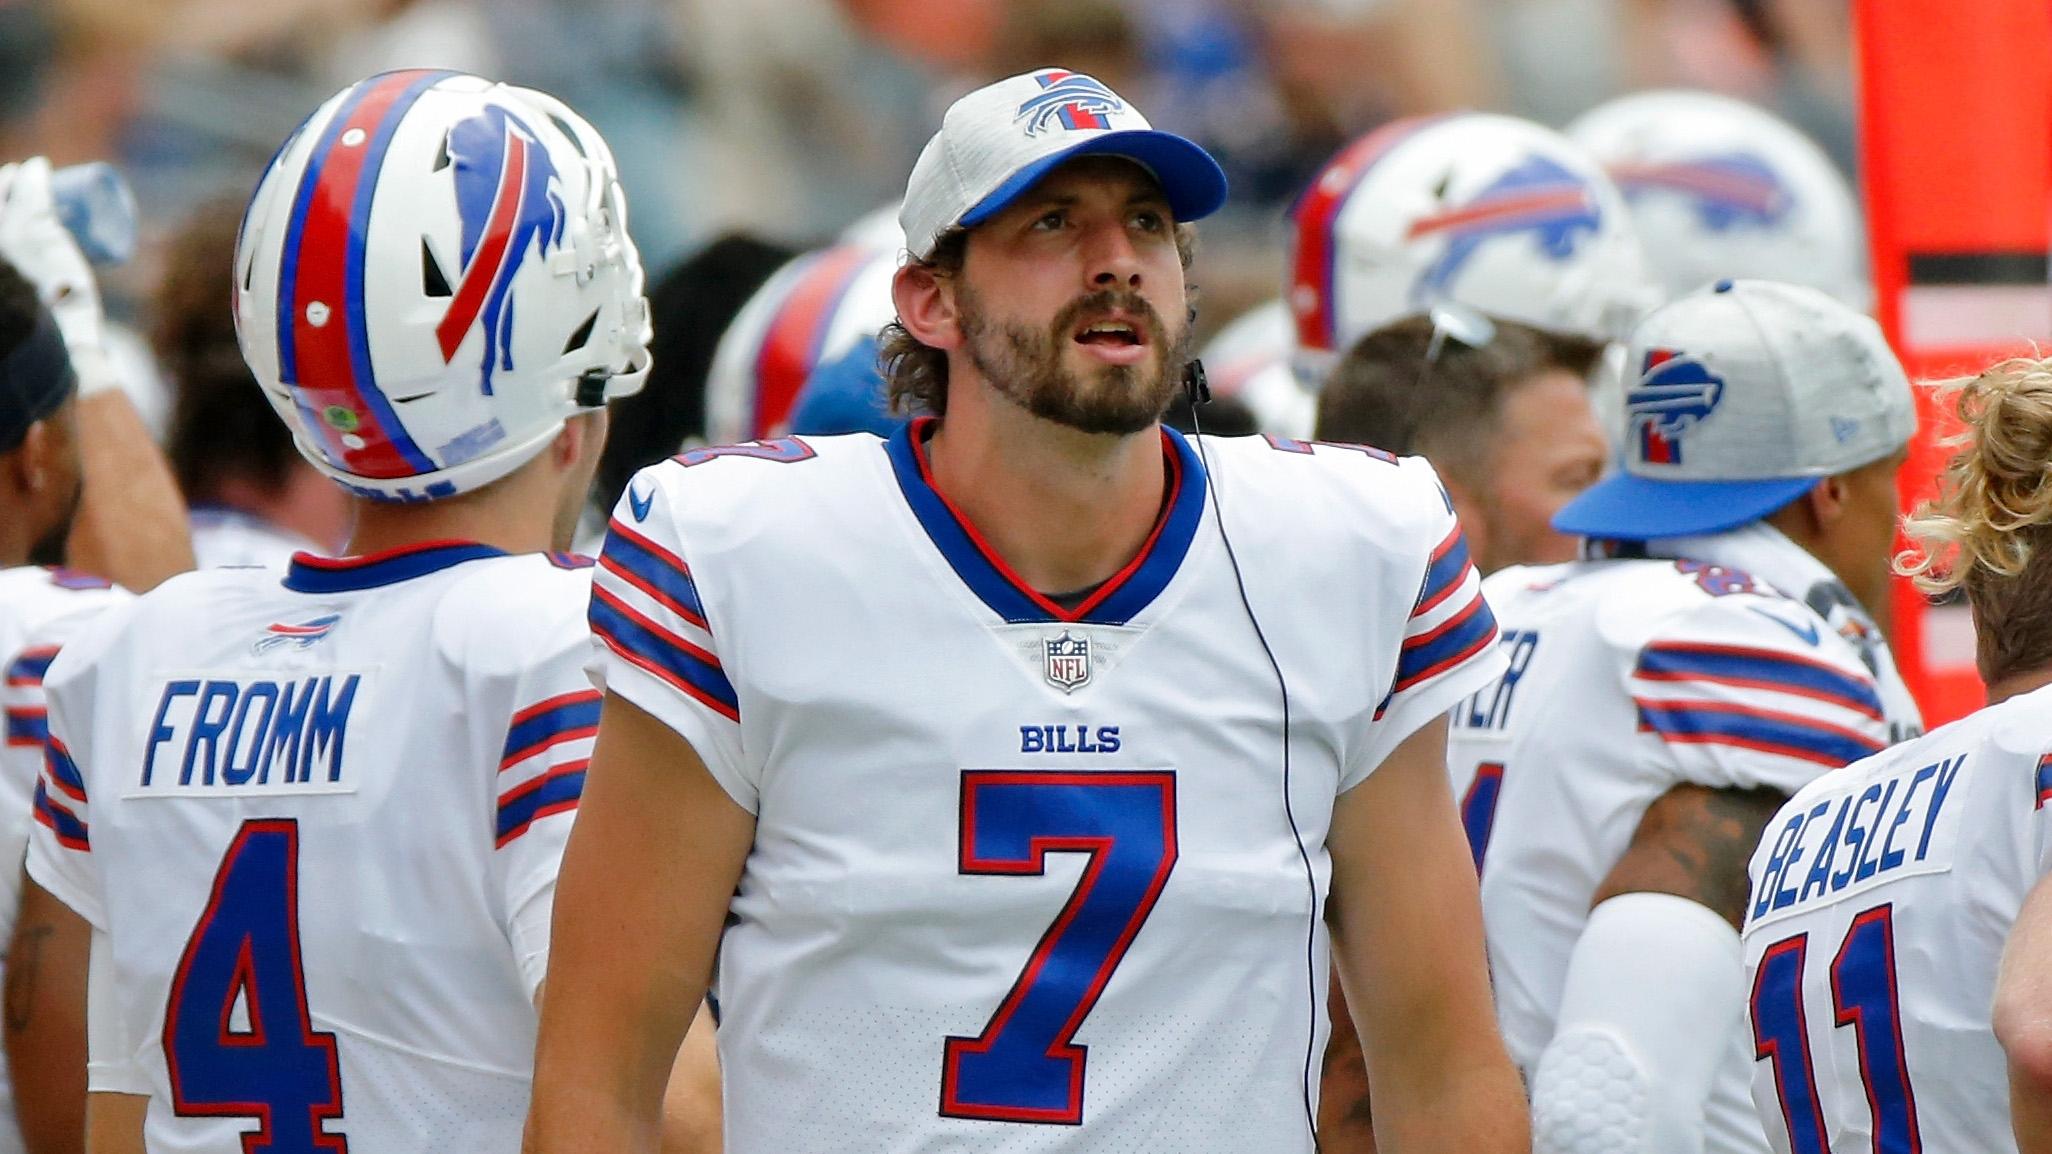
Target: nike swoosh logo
[(1807, 631), (641, 505)]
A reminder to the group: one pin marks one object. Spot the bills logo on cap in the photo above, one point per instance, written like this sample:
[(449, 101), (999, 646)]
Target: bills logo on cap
[(1725, 191), (299, 635), (1067, 662), (1675, 391), (1070, 99), (1539, 199), (507, 198)]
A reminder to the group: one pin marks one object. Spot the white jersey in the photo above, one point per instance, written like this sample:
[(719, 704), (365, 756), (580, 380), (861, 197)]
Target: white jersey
[(319, 819), (1882, 896), (223, 536), (1024, 877), (39, 611), (1626, 679)]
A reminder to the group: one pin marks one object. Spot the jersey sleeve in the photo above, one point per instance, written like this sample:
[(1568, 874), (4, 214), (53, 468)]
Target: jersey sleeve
[(2041, 815), (1748, 691), (655, 639), (539, 782), (1448, 650), (60, 857)]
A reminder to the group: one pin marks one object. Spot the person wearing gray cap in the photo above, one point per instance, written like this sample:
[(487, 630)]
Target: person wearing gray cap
[(1667, 693), (1008, 763)]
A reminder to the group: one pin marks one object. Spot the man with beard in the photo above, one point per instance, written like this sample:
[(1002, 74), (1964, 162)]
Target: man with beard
[(79, 475), (1009, 763)]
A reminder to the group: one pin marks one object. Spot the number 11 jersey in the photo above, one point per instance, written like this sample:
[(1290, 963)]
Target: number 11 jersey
[(1882, 895)]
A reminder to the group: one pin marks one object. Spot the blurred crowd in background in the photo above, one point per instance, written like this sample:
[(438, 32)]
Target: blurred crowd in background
[(785, 120)]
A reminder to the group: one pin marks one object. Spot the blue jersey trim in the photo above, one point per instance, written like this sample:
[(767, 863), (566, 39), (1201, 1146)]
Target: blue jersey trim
[(1758, 668), (1790, 736), (1118, 601), (311, 574)]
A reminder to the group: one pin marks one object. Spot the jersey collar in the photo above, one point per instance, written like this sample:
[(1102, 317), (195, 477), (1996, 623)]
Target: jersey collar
[(309, 573), (1116, 602)]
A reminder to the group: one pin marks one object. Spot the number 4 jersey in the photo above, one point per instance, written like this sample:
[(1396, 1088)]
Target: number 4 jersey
[(319, 822), (1024, 878), (1882, 895)]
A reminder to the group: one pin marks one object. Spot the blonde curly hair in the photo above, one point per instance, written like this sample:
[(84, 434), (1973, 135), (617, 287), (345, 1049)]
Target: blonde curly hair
[(1988, 530)]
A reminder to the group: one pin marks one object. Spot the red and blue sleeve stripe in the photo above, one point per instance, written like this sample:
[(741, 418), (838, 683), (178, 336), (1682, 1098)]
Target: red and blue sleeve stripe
[(71, 832), (2044, 780), (1443, 575), (654, 570), (547, 724), (684, 666), (27, 726), (1750, 668), (30, 666), (63, 770), (1744, 727), (556, 791), (1446, 645)]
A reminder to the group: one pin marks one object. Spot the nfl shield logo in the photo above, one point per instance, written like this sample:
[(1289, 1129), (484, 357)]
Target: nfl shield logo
[(1067, 666)]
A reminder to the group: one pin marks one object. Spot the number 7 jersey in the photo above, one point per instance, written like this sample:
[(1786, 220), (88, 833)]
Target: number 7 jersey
[(1024, 878), (1882, 896)]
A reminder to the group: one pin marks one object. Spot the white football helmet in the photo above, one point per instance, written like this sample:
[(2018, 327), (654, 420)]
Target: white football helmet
[(433, 274), (1493, 212), (1720, 189), (1249, 361), (811, 310)]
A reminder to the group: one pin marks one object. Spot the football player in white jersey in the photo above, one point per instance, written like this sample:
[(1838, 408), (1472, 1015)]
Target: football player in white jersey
[(1882, 894), (1500, 408), (313, 818), (1034, 736), (107, 504), (1666, 695)]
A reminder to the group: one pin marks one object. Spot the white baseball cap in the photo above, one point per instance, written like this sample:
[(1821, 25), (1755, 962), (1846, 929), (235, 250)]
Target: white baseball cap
[(1739, 399), (996, 142)]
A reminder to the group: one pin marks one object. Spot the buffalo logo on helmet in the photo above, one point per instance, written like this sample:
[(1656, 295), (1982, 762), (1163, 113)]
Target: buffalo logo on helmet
[(1675, 393), (1725, 191), (1067, 665), (508, 200), (1070, 99), (1539, 198)]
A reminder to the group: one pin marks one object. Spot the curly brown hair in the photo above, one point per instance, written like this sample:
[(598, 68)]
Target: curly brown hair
[(916, 374)]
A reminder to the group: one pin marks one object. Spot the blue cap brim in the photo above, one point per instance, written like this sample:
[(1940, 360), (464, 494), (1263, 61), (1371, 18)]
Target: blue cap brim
[(1623, 507), (1193, 182)]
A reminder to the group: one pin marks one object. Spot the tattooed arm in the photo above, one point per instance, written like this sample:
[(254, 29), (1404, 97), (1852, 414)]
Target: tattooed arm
[(46, 1021), (1694, 843), (1639, 1031)]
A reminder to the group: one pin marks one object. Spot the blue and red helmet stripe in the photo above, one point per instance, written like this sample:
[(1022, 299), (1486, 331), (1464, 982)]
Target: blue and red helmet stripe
[(1316, 216), (323, 342), (797, 333)]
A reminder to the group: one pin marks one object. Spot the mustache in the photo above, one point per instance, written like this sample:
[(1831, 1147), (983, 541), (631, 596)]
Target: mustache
[(1107, 302)]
